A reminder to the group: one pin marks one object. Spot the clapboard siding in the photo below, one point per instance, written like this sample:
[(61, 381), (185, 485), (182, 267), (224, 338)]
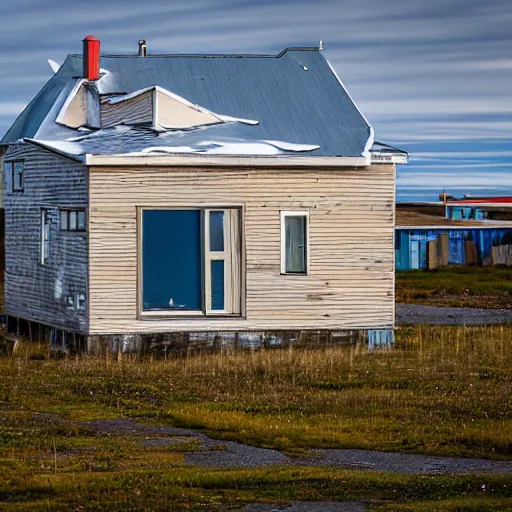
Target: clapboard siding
[(31, 289), (351, 281), (133, 111)]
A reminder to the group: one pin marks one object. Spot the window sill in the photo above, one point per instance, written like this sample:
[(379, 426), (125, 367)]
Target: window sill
[(188, 315)]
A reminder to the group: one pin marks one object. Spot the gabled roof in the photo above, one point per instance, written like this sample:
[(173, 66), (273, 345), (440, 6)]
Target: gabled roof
[(295, 96)]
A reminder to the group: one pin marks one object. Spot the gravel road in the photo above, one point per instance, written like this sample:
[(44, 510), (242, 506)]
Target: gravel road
[(407, 314), (229, 454), (307, 506)]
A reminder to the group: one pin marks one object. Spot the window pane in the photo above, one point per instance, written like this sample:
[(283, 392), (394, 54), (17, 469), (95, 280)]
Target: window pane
[(295, 233), (171, 259), (64, 220), (72, 221), (81, 219), (18, 175), (217, 271), (216, 231)]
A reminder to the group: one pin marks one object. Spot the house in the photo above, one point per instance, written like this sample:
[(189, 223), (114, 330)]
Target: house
[(197, 197), (480, 208), (430, 235)]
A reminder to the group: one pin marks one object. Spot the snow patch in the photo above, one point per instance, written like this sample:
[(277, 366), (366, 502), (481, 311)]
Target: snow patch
[(169, 149), (55, 67), (289, 146), (230, 119), (70, 148), (120, 128), (234, 148)]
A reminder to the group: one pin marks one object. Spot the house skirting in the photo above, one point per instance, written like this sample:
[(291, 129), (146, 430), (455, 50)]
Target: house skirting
[(161, 344)]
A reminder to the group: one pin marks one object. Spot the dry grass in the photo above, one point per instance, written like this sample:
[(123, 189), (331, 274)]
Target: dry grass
[(439, 391), (444, 391), (473, 287)]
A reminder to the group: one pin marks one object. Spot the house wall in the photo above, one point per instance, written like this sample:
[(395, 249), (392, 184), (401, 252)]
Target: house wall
[(34, 291), (351, 280)]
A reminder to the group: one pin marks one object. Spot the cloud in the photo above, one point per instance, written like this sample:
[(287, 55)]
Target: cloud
[(425, 74)]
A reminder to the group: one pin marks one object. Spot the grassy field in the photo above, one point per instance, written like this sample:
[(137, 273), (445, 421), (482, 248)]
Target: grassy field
[(443, 391), (488, 287)]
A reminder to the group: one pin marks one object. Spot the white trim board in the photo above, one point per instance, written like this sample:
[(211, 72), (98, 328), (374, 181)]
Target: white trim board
[(224, 161)]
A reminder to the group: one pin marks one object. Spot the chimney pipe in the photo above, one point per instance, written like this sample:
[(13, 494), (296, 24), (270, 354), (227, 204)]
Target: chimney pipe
[(143, 50), (91, 58)]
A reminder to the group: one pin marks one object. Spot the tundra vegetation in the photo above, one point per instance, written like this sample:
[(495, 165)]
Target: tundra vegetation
[(473, 287), (438, 391)]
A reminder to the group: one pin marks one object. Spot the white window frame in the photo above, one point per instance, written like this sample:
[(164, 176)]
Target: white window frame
[(233, 294), (45, 236), (284, 215)]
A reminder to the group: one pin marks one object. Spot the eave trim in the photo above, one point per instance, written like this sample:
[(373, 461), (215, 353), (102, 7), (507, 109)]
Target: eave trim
[(225, 161)]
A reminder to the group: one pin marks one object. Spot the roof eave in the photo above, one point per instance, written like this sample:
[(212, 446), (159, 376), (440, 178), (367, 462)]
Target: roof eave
[(190, 160)]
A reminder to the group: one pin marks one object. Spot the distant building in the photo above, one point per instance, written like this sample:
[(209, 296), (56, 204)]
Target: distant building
[(479, 208), (431, 235), (204, 195)]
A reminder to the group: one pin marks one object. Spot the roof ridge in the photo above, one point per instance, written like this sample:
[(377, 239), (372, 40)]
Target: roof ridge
[(209, 55)]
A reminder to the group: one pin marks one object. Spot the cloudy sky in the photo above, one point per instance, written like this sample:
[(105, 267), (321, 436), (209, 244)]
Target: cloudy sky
[(433, 77)]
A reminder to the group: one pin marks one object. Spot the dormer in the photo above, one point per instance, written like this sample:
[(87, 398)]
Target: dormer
[(156, 106)]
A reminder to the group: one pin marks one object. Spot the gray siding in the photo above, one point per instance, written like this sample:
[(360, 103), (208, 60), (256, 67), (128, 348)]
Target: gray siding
[(32, 290)]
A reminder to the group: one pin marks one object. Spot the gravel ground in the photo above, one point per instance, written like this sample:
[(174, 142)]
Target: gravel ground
[(407, 314), (307, 506), (229, 454)]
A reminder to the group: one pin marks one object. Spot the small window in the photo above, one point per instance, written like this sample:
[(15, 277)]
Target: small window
[(72, 220), (15, 170), (294, 242), (45, 236)]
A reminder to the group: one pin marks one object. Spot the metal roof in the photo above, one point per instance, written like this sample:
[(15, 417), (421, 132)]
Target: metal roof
[(295, 96)]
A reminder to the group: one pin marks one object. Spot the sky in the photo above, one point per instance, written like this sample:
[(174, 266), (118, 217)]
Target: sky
[(432, 77)]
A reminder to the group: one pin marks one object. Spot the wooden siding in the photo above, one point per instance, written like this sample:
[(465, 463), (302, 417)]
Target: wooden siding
[(31, 289), (351, 277), (172, 113), (136, 110)]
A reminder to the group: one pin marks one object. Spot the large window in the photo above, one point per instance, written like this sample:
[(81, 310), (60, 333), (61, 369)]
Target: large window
[(191, 261), (294, 242)]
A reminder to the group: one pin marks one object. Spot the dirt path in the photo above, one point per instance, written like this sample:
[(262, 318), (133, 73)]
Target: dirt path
[(229, 454), (307, 506), (407, 314)]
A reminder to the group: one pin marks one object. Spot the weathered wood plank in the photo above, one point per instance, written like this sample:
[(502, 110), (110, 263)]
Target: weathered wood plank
[(351, 231), (34, 291)]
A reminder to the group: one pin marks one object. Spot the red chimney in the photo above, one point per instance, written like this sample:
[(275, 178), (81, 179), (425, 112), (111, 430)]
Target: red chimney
[(91, 58)]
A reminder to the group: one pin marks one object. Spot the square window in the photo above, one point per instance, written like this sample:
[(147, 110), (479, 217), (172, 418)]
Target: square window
[(294, 242)]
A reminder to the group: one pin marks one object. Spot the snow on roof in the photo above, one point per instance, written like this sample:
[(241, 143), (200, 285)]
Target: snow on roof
[(211, 140), (295, 96)]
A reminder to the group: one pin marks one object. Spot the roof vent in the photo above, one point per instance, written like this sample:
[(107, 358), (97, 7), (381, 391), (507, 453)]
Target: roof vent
[(321, 45), (91, 58), (143, 49)]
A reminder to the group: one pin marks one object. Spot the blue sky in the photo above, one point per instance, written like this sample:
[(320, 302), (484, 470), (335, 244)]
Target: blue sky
[(434, 77)]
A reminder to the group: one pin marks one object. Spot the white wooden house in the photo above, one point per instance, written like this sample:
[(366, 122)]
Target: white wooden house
[(192, 194)]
